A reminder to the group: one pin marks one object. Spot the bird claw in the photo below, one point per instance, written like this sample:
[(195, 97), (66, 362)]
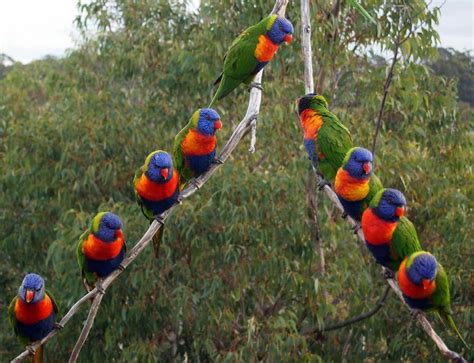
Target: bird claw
[(58, 326), (217, 160), (159, 219), (388, 274), (31, 349), (197, 184), (121, 267), (344, 215), (415, 313), (322, 183), (255, 85), (99, 287), (356, 228)]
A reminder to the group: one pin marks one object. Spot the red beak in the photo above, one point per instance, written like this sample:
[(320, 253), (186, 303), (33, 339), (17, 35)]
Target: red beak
[(400, 211), (426, 283), (367, 168), (164, 173), (288, 38), (30, 295), (218, 124)]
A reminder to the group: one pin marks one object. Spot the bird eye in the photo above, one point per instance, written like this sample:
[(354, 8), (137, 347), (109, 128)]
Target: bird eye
[(208, 118), (281, 27)]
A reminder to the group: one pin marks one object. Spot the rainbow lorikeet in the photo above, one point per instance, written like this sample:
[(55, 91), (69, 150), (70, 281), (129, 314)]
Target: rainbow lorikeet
[(194, 148), (326, 139), (101, 248), (250, 52), (32, 313), (156, 186), (425, 286), (355, 183), (389, 236)]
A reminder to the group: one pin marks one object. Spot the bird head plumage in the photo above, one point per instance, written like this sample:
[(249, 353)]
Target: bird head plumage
[(421, 268), (280, 30), (358, 163), (206, 121), (389, 204), (159, 166), (312, 101), (31, 289), (106, 226)]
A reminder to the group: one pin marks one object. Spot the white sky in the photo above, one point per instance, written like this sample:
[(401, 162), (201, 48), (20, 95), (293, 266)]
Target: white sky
[(31, 29)]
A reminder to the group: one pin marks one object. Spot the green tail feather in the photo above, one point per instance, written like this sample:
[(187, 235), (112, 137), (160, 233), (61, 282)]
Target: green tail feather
[(157, 238), (449, 319)]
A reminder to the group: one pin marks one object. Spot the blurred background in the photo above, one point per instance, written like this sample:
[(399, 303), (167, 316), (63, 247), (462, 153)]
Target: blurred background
[(88, 89)]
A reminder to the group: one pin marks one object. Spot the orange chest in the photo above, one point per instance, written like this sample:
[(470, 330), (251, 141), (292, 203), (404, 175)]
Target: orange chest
[(265, 49), (409, 288), (96, 249), (195, 144), (155, 192), (311, 122), (349, 188), (376, 230), (33, 313)]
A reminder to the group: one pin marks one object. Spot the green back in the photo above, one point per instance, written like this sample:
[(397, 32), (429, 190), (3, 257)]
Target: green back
[(441, 299), (404, 242), (81, 258), (375, 185)]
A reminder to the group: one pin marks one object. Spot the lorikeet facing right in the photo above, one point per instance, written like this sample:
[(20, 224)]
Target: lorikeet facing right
[(32, 313), (356, 184), (101, 248), (250, 52), (425, 286), (326, 139), (389, 236), (156, 186)]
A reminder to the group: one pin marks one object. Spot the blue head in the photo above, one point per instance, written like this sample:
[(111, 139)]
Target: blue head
[(159, 167), (281, 31), (31, 289), (358, 163), (422, 268), (389, 204), (105, 226), (208, 122)]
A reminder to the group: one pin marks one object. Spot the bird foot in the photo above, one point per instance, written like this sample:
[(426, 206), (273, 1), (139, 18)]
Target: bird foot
[(99, 287), (344, 215), (179, 200), (415, 313), (159, 219), (388, 274), (58, 326), (356, 228), (121, 267), (322, 182), (197, 184), (255, 85), (31, 349), (217, 160)]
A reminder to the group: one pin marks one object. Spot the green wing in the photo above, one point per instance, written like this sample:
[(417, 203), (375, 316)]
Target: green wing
[(53, 300), (333, 141), (185, 174), (404, 242), (441, 299), (87, 277), (146, 212), (375, 185), (12, 319)]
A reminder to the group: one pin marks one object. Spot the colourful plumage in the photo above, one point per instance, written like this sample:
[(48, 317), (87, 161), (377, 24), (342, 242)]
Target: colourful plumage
[(32, 313), (156, 185), (194, 148), (250, 52), (101, 248), (425, 286), (355, 183), (389, 236), (326, 139)]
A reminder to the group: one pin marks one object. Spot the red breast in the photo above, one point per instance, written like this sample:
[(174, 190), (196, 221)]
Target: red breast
[(265, 49), (155, 192), (196, 144), (96, 249), (33, 313), (376, 230), (311, 122), (409, 288), (350, 188)]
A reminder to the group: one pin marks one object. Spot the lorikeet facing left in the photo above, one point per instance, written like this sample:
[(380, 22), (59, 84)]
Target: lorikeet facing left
[(326, 139), (194, 148), (101, 248), (32, 313), (389, 236), (250, 52), (356, 184), (425, 286)]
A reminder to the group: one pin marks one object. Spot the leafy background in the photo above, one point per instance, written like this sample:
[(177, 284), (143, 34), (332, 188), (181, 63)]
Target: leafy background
[(238, 276)]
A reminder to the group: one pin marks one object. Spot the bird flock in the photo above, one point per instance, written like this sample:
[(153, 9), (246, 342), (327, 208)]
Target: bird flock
[(390, 236)]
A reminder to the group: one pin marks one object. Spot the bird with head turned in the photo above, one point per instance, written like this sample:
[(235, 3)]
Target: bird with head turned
[(194, 148), (326, 139), (156, 185), (32, 313), (251, 51), (101, 248), (355, 183), (389, 235), (425, 286)]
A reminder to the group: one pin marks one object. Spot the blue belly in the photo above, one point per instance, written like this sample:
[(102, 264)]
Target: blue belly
[(37, 331), (381, 253), (310, 146), (104, 268), (353, 209), (201, 163), (421, 304), (162, 205), (259, 67)]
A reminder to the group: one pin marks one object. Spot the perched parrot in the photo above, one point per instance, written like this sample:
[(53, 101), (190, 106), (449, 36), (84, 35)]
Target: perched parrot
[(32, 313), (156, 186), (101, 248), (355, 183), (250, 52), (389, 235), (194, 148), (425, 286), (326, 139)]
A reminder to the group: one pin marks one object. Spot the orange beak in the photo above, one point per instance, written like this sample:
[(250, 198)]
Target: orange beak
[(30, 295), (367, 168), (426, 283), (288, 38), (218, 124), (400, 211), (164, 173)]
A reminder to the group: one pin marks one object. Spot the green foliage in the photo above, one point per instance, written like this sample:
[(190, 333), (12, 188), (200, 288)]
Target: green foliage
[(238, 276)]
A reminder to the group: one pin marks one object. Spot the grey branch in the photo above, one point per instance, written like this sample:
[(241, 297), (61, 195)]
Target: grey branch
[(239, 132)]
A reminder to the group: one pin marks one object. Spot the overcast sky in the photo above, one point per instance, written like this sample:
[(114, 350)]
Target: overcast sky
[(31, 29)]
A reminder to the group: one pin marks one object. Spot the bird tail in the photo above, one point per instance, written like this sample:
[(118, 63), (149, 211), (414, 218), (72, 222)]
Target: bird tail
[(448, 318), (38, 357), (157, 238)]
